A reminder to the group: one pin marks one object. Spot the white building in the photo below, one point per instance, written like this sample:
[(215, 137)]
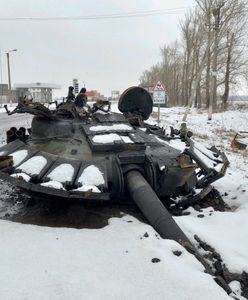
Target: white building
[(3, 93), (40, 92)]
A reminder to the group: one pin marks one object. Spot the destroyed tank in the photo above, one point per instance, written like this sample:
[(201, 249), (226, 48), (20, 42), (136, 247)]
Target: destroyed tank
[(94, 154)]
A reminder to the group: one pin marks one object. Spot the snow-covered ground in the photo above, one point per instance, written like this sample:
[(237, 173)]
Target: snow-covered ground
[(227, 232), (127, 259)]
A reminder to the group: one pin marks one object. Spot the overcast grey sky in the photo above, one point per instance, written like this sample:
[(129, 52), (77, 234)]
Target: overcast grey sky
[(104, 54)]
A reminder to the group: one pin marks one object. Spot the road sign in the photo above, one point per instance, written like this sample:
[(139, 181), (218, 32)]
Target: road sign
[(158, 87), (159, 97), (159, 93)]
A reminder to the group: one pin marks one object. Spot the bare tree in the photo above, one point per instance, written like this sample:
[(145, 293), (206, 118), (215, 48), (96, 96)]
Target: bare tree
[(169, 71), (211, 57)]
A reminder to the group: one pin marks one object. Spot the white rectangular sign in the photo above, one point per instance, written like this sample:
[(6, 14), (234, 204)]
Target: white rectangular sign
[(159, 97)]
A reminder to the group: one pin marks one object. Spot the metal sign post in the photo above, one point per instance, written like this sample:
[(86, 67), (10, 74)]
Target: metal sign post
[(158, 113), (159, 96)]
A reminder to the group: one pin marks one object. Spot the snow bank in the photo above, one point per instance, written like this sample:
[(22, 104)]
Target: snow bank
[(106, 138), (18, 156), (62, 173), (111, 263), (34, 165), (91, 176), (110, 138), (225, 231), (115, 127), (21, 176), (53, 184), (87, 187), (90, 179)]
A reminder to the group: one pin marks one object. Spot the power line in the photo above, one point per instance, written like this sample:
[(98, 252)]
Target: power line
[(134, 14)]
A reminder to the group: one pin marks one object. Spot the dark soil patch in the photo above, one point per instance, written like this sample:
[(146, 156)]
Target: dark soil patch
[(155, 260), (47, 212), (19, 207), (177, 252)]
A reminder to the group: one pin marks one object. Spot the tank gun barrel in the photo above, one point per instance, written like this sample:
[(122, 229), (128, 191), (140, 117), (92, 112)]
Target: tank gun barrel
[(161, 220), (153, 209)]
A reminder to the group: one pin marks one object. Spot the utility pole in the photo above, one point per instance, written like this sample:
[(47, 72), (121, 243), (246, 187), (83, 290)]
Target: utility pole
[(1, 78), (9, 80), (213, 84), (9, 77)]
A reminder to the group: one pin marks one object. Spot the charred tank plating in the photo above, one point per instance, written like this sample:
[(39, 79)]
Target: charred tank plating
[(98, 155)]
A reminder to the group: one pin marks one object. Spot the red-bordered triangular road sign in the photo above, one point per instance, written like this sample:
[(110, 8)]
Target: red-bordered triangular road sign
[(159, 86)]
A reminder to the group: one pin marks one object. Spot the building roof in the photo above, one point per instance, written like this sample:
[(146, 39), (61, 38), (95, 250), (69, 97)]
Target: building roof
[(92, 93), (36, 85)]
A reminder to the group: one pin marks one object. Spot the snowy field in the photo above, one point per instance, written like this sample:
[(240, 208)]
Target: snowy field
[(127, 259)]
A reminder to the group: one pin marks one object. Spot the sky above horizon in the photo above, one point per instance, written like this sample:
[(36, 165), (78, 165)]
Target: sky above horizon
[(105, 55)]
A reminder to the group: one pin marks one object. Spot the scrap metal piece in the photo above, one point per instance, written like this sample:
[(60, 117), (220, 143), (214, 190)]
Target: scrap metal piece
[(235, 144), (33, 108), (188, 201), (213, 163), (6, 161), (183, 162)]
